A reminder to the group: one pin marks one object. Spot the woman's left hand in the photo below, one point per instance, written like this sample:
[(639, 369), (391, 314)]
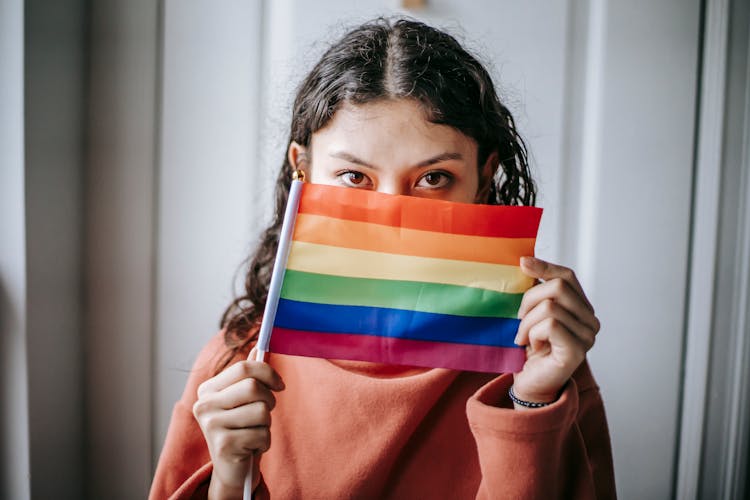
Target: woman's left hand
[(558, 326)]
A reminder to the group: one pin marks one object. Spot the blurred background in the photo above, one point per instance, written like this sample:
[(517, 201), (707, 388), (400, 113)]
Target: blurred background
[(138, 142)]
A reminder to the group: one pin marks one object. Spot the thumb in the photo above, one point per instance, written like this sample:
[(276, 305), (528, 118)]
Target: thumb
[(534, 267)]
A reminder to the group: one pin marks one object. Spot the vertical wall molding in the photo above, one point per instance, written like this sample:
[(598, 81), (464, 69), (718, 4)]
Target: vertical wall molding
[(591, 144), (738, 460), (736, 457), (703, 244), (569, 188), (724, 453), (14, 414)]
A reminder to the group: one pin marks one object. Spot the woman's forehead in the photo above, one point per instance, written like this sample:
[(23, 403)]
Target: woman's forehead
[(387, 129)]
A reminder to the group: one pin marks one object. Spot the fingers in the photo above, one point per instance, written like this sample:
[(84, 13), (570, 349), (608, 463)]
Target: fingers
[(233, 410), (549, 309), (247, 416), (242, 370), (546, 271), (558, 326), (565, 296), (551, 337), (247, 390), (232, 435), (240, 444), (212, 412), (236, 420), (252, 385)]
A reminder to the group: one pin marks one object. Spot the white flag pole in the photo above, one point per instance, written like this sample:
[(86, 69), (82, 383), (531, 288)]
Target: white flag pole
[(274, 290)]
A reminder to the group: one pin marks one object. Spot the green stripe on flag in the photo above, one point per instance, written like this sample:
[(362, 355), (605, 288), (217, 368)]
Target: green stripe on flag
[(394, 294)]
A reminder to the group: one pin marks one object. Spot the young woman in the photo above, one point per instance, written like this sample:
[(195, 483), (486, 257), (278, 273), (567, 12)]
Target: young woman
[(398, 107)]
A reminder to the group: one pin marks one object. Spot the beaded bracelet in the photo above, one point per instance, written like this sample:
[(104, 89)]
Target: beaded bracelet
[(527, 404)]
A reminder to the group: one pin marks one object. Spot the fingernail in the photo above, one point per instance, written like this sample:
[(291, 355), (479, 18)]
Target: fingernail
[(515, 340), (528, 261)]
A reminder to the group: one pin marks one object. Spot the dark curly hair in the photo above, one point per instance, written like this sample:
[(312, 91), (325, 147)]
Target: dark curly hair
[(387, 59)]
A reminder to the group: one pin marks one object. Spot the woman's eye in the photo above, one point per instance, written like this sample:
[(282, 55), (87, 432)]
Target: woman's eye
[(434, 180), (352, 178)]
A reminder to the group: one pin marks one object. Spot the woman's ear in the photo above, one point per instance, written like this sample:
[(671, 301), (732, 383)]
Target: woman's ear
[(298, 158), (486, 177)]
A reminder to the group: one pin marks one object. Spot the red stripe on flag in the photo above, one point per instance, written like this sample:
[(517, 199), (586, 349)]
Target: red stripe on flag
[(420, 213), (395, 351)]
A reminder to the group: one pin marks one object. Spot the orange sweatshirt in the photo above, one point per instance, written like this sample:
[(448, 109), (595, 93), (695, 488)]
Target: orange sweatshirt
[(361, 430)]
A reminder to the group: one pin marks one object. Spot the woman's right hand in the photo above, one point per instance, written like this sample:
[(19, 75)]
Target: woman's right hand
[(234, 413)]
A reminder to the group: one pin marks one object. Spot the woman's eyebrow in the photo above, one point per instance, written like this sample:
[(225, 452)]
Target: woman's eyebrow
[(343, 155), (439, 158)]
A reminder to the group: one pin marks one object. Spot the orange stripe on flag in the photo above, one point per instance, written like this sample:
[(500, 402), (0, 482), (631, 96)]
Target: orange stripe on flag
[(404, 241)]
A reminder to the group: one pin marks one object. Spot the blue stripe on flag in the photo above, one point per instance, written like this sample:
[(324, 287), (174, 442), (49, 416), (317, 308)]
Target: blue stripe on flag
[(397, 323)]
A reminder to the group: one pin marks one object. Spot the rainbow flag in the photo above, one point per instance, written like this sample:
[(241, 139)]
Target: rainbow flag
[(402, 280)]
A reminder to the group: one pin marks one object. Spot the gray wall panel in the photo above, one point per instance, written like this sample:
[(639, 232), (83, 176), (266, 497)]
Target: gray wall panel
[(120, 220), (55, 76)]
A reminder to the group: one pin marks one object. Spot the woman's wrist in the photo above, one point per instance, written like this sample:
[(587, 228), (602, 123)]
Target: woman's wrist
[(525, 401), (218, 490)]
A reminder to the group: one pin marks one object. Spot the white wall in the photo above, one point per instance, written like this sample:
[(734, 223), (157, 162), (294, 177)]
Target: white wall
[(638, 233), (210, 122)]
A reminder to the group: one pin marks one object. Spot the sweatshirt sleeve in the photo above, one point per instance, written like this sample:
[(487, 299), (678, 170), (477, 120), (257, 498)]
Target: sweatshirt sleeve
[(560, 451), (184, 468)]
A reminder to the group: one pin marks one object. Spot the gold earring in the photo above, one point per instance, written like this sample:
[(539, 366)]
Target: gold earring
[(298, 175)]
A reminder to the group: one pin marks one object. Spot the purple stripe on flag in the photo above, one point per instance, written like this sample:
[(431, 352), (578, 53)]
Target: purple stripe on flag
[(396, 351)]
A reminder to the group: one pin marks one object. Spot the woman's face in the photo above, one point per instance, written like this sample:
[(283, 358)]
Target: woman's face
[(388, 146)]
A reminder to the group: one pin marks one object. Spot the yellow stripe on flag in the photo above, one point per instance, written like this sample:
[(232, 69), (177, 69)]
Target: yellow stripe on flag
[(337, 261)]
